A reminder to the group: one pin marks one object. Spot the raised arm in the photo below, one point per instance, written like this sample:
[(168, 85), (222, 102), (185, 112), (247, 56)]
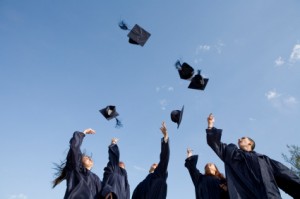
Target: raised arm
[(190, 164), (162, 166), (74, 155), (114, 153), (113, 159), (213, 138)]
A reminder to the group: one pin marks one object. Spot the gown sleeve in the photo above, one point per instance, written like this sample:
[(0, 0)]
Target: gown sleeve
[(113, 155), (113, 163), (75, 154), (213, 138), (162, 167), (190, 164), (286, 180)]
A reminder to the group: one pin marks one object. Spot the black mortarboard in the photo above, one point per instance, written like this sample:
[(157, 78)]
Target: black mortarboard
[(185, 70), (109, 113), (138, 35), (176, 116), (198, 82)]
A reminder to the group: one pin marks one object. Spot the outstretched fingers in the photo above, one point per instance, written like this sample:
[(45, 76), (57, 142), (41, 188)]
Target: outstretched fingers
[(89, 131), (114, 140)]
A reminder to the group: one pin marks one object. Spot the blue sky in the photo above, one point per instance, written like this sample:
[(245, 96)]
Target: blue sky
[(62, 61)]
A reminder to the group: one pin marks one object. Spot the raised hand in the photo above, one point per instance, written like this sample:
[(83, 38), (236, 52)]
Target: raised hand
[(114, 140), (89, 131), (189, 152), (210, 121), (164, 130)]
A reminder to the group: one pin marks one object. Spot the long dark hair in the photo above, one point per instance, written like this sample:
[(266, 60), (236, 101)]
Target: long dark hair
[(61, 169), (218, 173), (61, 173)]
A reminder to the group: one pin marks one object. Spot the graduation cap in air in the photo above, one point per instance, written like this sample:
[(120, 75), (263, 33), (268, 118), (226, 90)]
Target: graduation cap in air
[(185, 70), (137, 35), (198, 82), (176, 116), (109, 112)]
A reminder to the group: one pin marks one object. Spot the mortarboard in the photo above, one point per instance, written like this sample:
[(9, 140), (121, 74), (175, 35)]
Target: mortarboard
[(176, 116), (109, 112), (198, 82), (185, 70), (137, 34)]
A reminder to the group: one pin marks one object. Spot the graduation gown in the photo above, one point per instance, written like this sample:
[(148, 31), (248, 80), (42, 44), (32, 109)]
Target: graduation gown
[(81, 182), (115, 178), (251, 175), (154, 186), (206, 186)]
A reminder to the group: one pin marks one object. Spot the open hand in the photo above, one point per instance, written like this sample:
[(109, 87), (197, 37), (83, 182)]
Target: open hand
[(210, 120), (89, 131), (189, 152), (114, 140)]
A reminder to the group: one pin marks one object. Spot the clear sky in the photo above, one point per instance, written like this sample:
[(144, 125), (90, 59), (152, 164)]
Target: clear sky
[(63, 61)]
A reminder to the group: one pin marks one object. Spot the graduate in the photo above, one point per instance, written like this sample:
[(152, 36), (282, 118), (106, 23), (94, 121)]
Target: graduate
[(82, 183), (154, 186), (211, 185), (251, 175), (115, 181)]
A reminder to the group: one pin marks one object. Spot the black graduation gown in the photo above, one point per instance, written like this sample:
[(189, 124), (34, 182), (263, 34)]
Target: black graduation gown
[(81, 182), (154, 186), (206, 186), (251, 175), (115, 178)]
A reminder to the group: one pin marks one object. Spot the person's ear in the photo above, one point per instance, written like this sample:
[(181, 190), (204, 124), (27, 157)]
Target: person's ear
[(250, 145)]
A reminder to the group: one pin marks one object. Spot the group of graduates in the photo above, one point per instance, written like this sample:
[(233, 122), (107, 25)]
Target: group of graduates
[(82, 183), (249, 175)]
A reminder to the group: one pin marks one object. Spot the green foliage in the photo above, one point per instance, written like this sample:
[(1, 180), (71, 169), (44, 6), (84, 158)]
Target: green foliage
[(294, 158)]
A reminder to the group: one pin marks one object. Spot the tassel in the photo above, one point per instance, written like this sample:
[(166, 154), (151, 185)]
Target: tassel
[(123, 25), (178, 65), (118, 123)]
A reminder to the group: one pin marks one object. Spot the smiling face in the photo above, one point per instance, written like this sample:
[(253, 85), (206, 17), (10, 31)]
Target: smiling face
[(87, 162)]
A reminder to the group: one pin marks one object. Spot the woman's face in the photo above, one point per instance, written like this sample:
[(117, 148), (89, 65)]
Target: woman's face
[(87, 162), (210, 169)]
